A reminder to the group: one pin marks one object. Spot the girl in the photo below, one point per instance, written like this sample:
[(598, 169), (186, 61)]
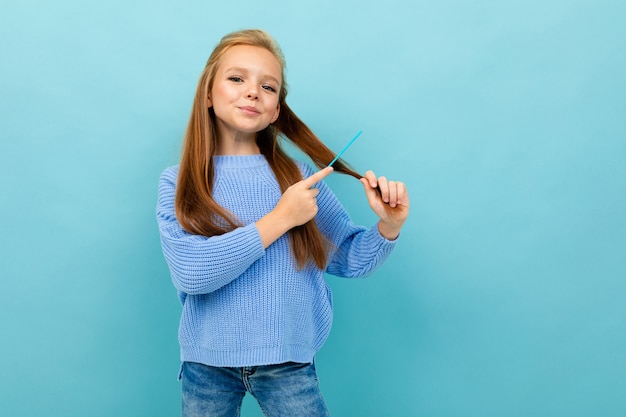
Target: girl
[(248, 233)]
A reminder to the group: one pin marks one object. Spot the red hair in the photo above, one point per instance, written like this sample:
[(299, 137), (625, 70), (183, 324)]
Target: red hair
[(194, 197)]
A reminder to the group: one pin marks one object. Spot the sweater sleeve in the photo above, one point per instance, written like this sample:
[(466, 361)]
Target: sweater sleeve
[(200, 265), (356, 250)]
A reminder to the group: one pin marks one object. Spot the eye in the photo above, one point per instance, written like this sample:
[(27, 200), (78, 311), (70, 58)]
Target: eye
[(235, 79), (269, 88)]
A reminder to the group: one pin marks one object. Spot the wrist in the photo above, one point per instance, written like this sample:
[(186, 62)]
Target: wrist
[(388, 231), (271, 227)]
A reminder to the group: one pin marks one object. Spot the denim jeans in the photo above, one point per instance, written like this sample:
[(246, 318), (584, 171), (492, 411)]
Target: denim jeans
[(284, 390)]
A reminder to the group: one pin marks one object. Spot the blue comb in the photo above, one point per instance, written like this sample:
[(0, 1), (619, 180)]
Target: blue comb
[(345, 148)]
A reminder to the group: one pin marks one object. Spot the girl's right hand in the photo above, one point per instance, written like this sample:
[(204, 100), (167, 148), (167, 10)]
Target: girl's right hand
[(297, 206)]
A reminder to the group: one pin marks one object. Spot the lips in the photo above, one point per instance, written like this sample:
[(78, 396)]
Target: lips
[(249, 110)]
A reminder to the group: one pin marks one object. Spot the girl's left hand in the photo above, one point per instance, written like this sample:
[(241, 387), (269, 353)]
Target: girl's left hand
[(391, 204)]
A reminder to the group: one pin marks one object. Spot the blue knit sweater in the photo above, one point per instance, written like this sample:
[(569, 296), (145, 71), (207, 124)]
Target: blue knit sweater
[(244, 305)]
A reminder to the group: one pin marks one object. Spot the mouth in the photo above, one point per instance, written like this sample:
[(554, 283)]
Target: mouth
[(249, 110)]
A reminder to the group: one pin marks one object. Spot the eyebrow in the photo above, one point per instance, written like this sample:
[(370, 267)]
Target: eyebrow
[(245, 71)]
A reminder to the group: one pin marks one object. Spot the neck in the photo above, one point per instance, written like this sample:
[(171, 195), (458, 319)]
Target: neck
[(237, 144)]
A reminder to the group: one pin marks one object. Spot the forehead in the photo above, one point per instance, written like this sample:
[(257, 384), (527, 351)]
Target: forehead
[(253, 59)]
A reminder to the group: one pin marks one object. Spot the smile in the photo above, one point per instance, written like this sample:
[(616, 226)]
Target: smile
[(249, 110)]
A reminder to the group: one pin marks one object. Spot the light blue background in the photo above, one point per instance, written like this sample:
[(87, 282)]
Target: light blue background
[(506, 296)]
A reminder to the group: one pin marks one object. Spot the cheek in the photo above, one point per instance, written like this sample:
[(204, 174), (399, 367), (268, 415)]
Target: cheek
[(276, 113), (221, 94)]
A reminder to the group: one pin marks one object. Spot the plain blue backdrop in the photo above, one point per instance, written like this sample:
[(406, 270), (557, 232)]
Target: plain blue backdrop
[(506, 119)]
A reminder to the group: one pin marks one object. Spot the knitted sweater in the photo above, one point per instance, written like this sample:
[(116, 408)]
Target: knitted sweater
[(244, 305)]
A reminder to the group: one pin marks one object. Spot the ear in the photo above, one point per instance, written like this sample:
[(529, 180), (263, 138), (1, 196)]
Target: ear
[(209, 103), (275, 117)]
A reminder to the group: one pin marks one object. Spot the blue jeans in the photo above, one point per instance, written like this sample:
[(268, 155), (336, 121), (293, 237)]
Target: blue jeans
[(284, 390)]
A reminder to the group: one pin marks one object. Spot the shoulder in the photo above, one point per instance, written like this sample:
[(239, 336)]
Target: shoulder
[(167, 192), (168, 180), (169, 174)]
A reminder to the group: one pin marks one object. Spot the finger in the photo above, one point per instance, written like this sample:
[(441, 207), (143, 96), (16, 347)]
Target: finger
[(370, 181), (372, 194), (393, 193), (384, 189), (403, 194), (371, 178), (317, 177)]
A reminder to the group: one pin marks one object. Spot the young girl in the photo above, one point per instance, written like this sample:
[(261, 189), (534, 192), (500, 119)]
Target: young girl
[(248, 233)]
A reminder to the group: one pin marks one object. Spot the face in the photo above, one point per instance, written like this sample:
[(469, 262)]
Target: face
[(245, 92)]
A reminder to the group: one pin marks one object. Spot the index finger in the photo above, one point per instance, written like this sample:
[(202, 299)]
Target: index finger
[(317, 177)]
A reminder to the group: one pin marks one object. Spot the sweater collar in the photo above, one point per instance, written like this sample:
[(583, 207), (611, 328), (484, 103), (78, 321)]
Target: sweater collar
[(239, 161)]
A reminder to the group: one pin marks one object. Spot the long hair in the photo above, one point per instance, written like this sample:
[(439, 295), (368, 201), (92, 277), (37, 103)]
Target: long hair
[(194, 196)]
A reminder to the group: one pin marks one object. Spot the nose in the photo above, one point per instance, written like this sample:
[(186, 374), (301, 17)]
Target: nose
[(252, 93)]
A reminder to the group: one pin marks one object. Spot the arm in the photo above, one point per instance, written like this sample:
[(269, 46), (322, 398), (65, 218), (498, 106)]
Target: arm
[(198, 264), (356, 251), (201, 265), (297, 206), (360, 254)]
